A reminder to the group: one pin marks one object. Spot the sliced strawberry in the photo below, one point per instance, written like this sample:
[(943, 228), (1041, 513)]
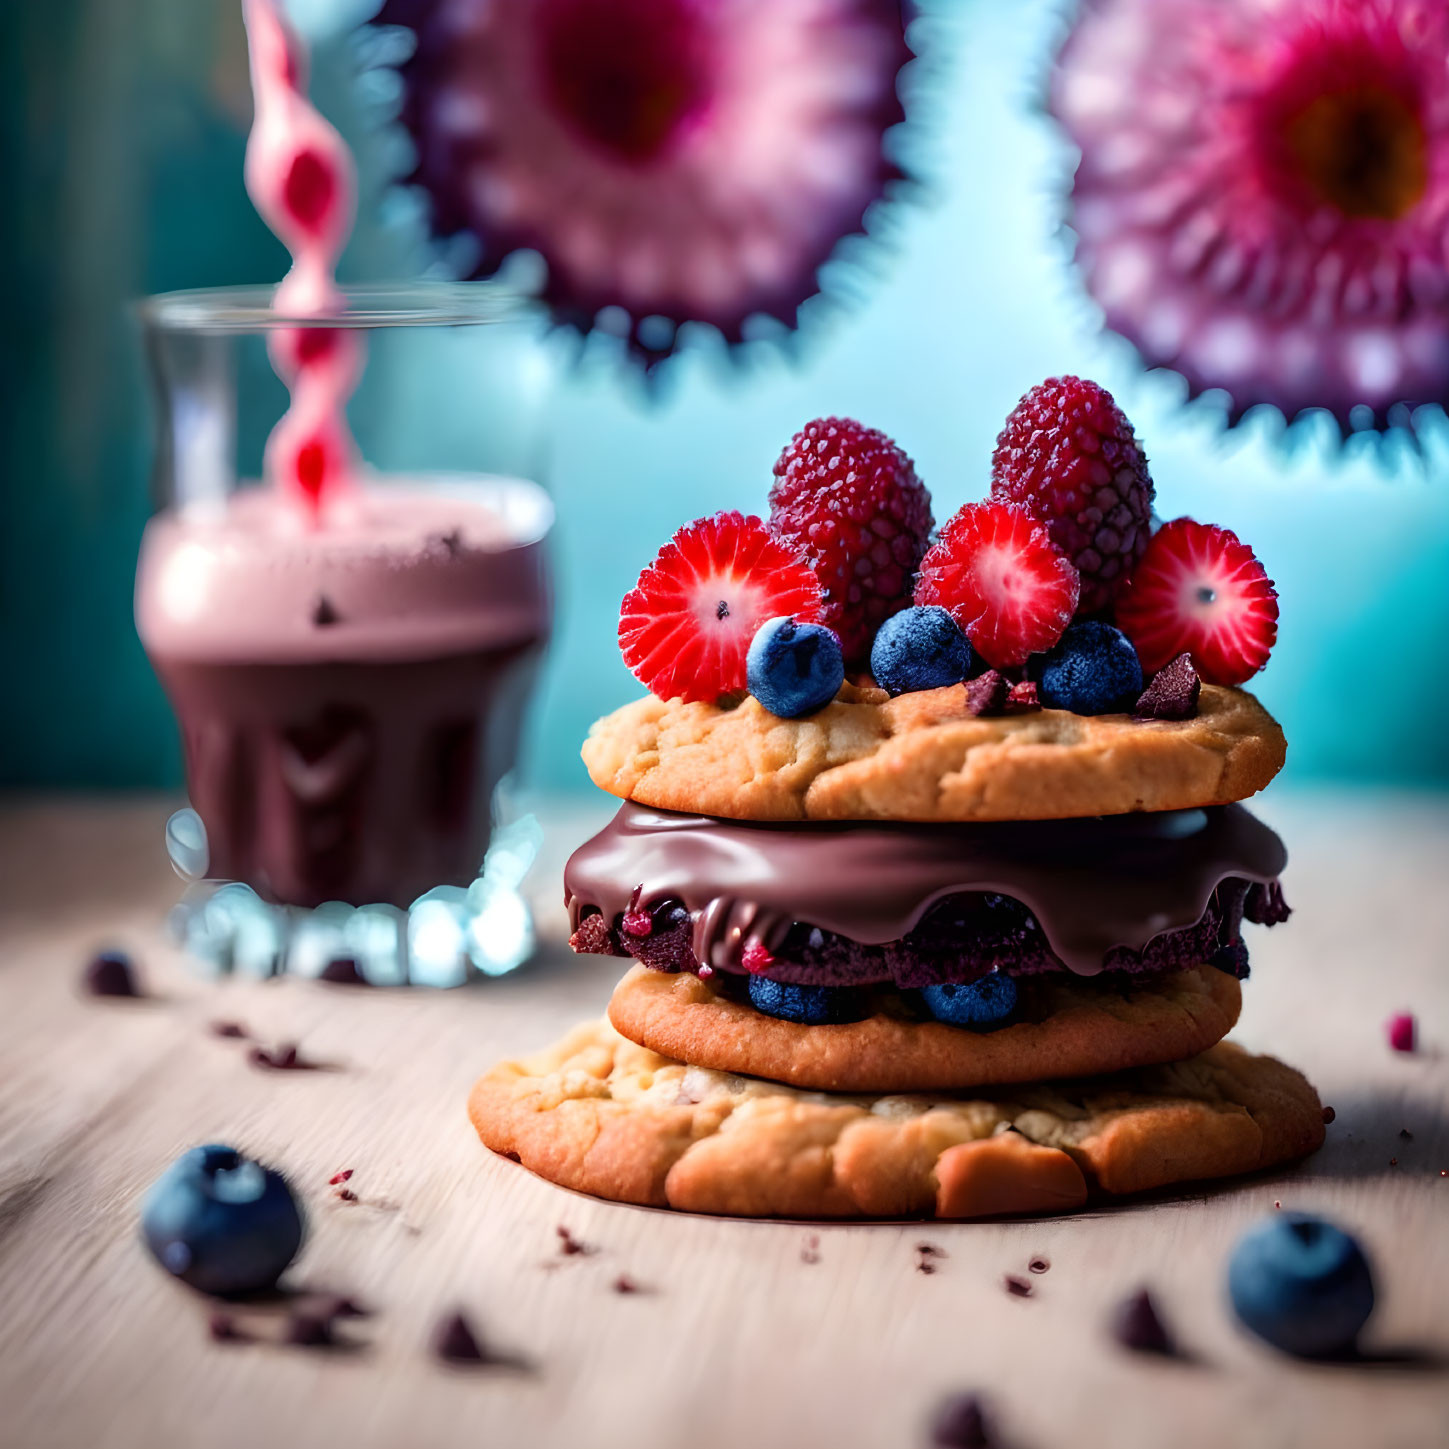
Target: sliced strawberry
[(1198, 590), (686, 627), (997, 572)]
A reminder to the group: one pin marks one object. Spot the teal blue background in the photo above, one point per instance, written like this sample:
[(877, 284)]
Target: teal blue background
[(124, 126)]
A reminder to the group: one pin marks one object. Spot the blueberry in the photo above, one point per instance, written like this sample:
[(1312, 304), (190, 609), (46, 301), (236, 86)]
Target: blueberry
[(919, 648), (1302, 1284), (794, 669), (809, 1005), (1093, 669), (986, 1002), (221, 1222)]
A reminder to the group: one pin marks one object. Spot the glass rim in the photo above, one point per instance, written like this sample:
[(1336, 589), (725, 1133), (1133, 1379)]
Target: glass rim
[(240, 310)]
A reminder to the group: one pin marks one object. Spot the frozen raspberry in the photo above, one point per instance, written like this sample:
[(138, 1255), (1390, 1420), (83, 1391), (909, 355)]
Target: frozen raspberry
[(848, 500), (685, 628), (995, 570), (1068, 454), (1200, 591)]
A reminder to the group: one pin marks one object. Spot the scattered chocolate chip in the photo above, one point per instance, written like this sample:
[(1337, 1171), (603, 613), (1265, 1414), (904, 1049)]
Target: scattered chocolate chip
[(223, 1328), (110, 973), (1017, 1287), (1022, 698), (625, 1284), (455, 1342), (571, 1246), (343, 971), (231, 1030), (344, 1176), (1038, 1265), (309, 1329), (1328, 1115), (1173, 693), (1393, 1162), (323, 613), (346, 1194), (1137, 1325), (451, 541), (810, 1249), (986, 694), (1406, 1134), (961, 1423)]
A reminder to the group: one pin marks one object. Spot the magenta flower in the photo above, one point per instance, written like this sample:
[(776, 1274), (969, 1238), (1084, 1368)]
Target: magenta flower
[(1262, 202), (682, 160)]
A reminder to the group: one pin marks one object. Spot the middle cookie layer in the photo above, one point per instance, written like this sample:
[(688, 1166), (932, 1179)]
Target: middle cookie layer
[(1064, 1027)]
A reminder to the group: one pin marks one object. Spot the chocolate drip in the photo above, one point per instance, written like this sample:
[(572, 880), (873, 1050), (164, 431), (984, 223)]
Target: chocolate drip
[(1092, 884)]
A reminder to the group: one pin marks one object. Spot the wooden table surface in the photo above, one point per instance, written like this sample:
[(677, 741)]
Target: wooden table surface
[(745, 1336)]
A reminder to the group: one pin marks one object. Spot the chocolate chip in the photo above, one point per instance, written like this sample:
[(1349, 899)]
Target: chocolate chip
[(346, 1194), (1173, 693), (231, 1030), (282, 1058), (343, 971), (1018, 1287), (110, 973), (455, 1342), (625, 1284), (926, 1255), (961, 1423), (450, 542), (1137, 1325), (986, 694), (1329, 1115), (323, 612), (1406, 1134)]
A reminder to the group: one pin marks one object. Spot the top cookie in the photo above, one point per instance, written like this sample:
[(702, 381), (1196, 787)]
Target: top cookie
[(923, 757)]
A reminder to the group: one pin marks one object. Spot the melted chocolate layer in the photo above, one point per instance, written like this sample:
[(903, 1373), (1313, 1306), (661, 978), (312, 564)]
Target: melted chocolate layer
[(1092, 885)]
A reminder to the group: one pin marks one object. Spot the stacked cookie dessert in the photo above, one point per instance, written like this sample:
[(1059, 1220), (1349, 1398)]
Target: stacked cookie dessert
[(931, 861)]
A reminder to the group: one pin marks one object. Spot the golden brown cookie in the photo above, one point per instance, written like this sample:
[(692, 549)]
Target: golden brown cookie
[(923, 757), (1065, 1026), (601, 1115)]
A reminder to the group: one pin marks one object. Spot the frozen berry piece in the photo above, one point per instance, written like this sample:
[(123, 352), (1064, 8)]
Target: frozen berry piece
[(110, 973), (685, 628), (849, 502), (1402, 1031), (222, 1222), (1022, 698), (1173, 692), (1137, 1325), (986, 1002), (794, 669), (1301, 1284), (1199, 590), (919, 648), (454, 1341), (809, 1005), (1003, 580), (987, 693), (1069, 456), (1094, 670)]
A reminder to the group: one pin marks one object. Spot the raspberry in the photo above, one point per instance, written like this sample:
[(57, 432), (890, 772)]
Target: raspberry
[(1068, 454), (685, 628), (1200, 591), (1002, 579), (848, 499)]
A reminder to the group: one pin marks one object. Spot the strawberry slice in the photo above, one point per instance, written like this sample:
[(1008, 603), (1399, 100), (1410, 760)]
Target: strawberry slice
[(686, 627), (997, 572), (1199, 590)]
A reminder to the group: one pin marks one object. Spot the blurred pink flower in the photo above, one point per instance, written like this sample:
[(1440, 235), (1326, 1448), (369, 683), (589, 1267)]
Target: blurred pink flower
[(1262, 202), (683, 160)]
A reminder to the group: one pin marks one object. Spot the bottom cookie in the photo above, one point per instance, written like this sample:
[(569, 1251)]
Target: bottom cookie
[(601, 1115)]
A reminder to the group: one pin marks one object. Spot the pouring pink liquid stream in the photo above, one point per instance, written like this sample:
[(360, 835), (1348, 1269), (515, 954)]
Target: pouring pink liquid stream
[(301, 178)]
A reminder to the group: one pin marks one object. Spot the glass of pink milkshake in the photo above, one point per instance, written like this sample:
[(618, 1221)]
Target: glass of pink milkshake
[(348, 653)]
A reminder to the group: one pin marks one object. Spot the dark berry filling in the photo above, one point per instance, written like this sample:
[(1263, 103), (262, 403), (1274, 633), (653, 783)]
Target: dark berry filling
[(960, 939)]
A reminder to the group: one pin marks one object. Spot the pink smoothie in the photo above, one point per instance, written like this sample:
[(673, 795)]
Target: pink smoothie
[(349, 697)]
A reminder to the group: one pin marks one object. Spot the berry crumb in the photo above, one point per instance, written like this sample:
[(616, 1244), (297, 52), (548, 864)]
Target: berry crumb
[(1402, 1031)]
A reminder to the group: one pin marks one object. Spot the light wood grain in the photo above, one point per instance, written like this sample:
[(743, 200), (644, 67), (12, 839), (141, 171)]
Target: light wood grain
[(739, 1342)]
